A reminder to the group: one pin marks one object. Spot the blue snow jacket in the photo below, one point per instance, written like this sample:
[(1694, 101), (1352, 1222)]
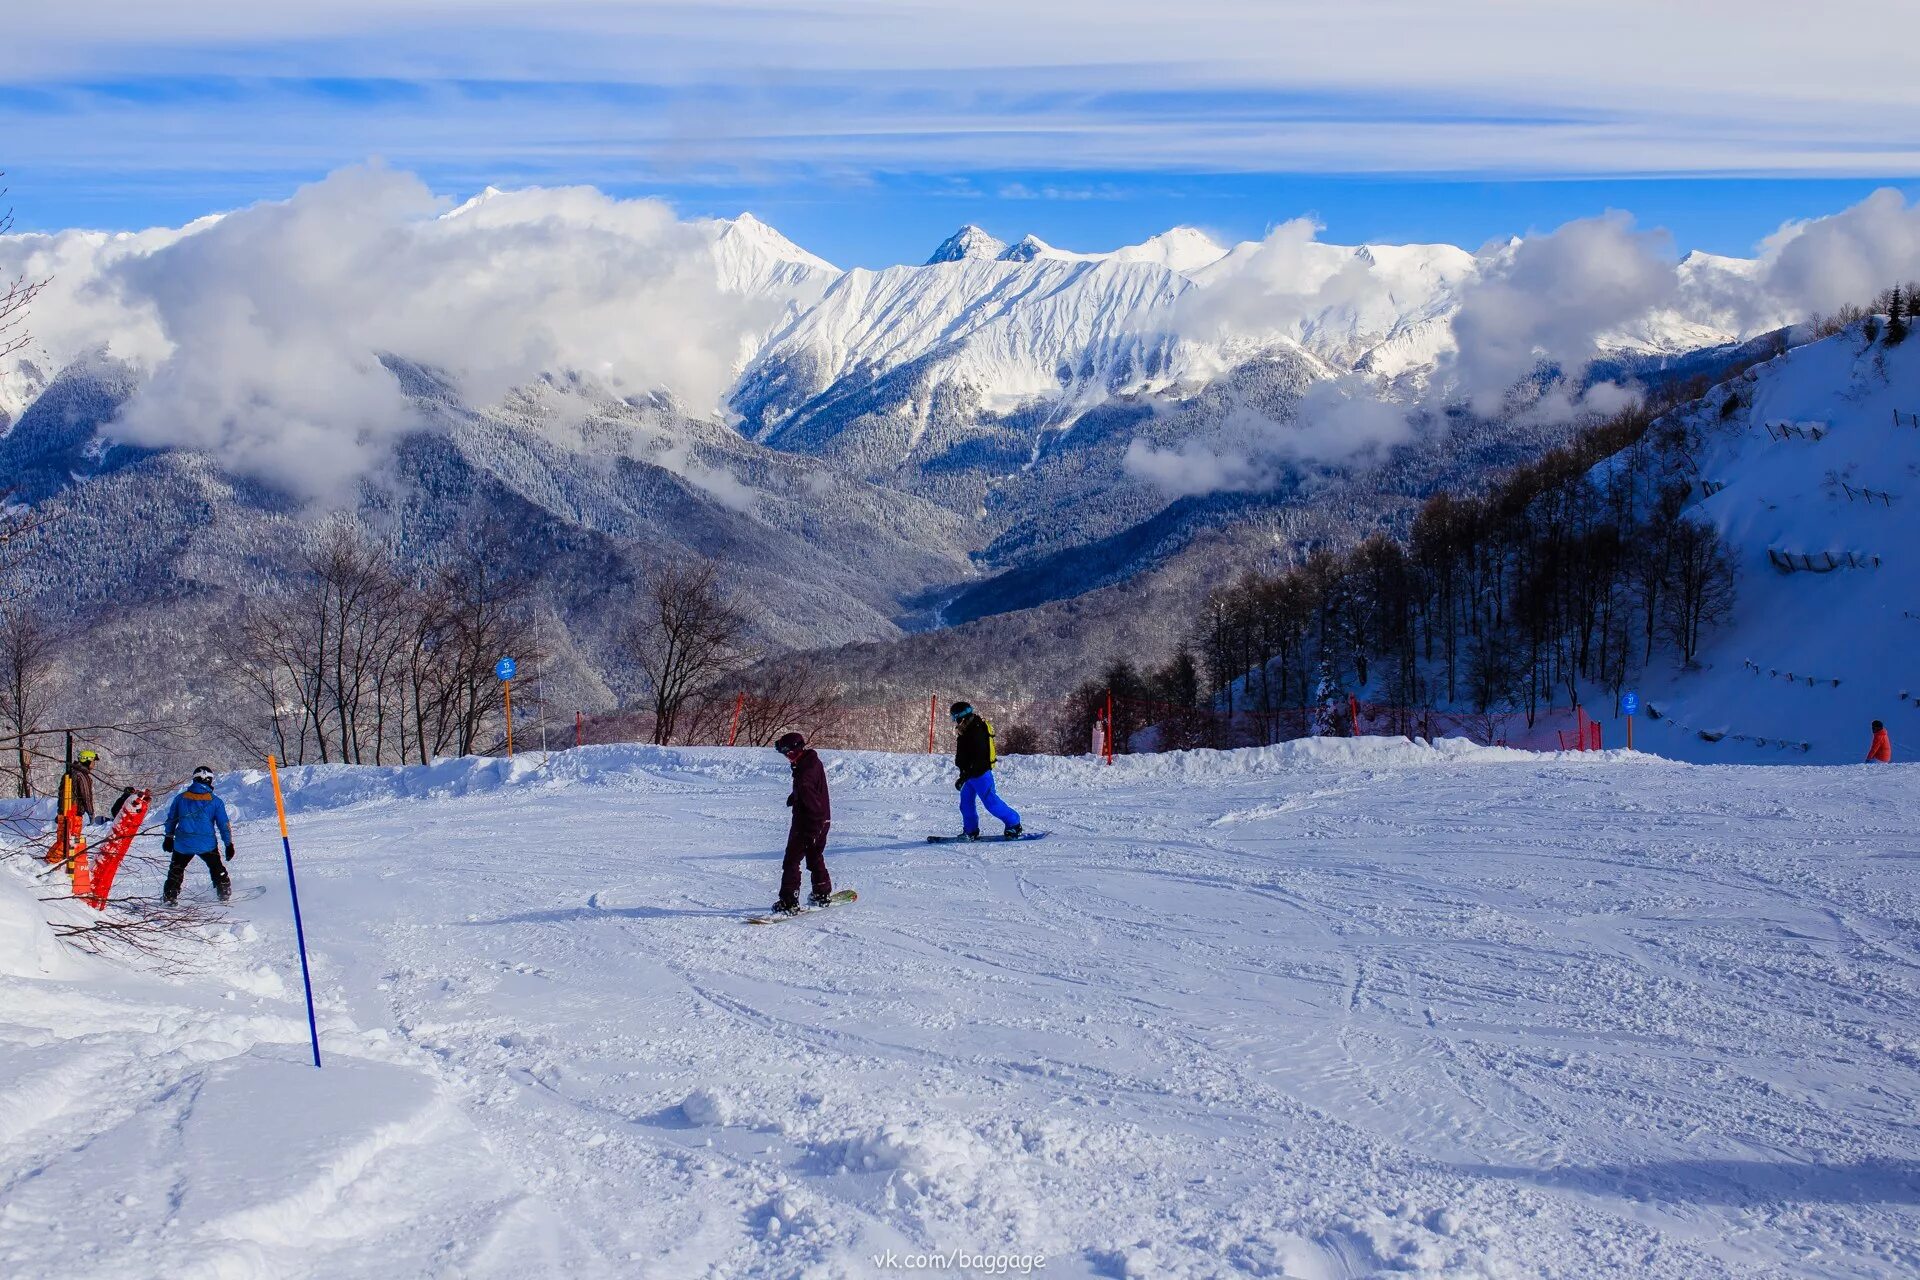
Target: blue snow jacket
[(193, 818)]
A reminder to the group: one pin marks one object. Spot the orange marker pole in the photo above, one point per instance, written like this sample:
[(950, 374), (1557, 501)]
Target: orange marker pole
[(508, 686), (293, 890)]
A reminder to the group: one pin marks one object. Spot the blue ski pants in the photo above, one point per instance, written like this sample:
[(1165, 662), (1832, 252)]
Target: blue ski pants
[(980, 791)]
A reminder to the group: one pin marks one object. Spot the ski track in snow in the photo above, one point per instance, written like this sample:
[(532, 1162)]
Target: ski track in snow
[(1475, 1017)]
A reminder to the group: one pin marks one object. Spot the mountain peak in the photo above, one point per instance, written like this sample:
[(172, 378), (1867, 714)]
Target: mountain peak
[(1182, 248), (1029, 248), (748, 233), (968, 242)]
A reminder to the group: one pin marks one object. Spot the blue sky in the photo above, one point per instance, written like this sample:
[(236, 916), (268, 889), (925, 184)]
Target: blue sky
[(867, 130)]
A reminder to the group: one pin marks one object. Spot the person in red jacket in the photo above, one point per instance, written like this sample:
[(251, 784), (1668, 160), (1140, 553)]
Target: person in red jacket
[(1881, 752), (812, 816)]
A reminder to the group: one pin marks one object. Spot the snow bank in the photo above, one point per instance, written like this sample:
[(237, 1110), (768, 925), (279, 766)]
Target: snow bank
[(639, 767), (28, 948)]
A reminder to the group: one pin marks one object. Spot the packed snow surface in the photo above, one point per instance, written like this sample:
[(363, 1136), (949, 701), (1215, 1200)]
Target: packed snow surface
[(1333, 1009)]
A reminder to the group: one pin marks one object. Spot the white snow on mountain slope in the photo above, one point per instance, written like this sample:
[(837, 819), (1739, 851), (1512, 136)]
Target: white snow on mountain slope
[(1003, 330), (1337, 302), (754, 258), (1816, 654), (1183, 249), (1339, 1009), (1031, 247)]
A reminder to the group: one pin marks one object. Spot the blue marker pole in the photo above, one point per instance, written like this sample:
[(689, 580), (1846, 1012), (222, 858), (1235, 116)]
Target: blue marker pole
[(299, 931)]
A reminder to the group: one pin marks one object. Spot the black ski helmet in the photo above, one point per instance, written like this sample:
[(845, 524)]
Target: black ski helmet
[(789, 743), (960, 710)]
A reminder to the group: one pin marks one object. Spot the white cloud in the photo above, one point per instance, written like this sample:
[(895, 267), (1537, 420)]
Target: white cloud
[(264, 330), (1195, 467), (1241, 85), (1548, 299)]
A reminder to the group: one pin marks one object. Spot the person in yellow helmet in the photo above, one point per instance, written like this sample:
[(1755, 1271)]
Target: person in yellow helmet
[(79, 780)]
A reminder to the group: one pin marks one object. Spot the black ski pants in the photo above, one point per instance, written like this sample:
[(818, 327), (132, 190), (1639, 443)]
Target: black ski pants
[(806, 842), (215, 868)]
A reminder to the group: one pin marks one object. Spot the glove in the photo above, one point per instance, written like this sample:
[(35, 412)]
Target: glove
[(959, 784), (99, 820), (166, 846), (789, 802), (229, 851)]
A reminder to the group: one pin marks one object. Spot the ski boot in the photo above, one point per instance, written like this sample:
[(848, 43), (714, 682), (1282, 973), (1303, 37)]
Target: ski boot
[(969, 835), (1012, 832)]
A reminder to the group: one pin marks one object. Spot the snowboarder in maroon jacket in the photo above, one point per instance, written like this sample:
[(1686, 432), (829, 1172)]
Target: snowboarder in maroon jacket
[(807, 837)]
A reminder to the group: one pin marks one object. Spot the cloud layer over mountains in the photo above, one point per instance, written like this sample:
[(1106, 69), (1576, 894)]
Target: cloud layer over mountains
[(262, 332)]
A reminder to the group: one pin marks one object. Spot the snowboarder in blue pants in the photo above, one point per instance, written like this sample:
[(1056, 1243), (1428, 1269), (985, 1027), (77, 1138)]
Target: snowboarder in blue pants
[(974, 756)]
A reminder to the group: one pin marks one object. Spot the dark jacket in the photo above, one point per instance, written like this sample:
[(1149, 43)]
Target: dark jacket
[(194, 818), (809, 800), (81, 775), (973, 749)]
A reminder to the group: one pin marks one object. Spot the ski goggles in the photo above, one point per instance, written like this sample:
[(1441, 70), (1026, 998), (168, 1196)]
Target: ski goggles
[(203, 775), (962, 714)]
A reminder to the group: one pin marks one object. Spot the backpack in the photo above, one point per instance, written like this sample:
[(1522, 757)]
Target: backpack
[(993, 749)]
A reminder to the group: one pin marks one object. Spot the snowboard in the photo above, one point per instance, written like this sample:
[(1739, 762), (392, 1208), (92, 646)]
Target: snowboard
[(125, 827), (840, 898), (1024, 835)]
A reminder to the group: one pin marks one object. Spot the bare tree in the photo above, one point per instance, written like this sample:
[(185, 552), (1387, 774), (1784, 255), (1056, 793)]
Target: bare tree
[(687, 637), (15, 296), (1019, 740), (1700, 587), (356, 662), (29, 651)]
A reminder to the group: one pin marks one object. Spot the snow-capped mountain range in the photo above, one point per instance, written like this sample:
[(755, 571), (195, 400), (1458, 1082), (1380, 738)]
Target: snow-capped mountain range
[(879, 452)]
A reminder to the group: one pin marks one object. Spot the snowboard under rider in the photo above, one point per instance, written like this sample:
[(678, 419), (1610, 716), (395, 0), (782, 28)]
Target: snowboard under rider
[(1880, 751), (196, 827), (807, 836), (974, 755)]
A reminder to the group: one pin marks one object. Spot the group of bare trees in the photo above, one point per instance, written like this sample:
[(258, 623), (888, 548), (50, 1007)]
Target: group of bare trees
[(28, 652), (357, 660), (1560, 579)]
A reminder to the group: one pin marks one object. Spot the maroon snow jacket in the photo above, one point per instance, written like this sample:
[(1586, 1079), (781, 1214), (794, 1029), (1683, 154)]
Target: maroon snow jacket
[(809, 801)]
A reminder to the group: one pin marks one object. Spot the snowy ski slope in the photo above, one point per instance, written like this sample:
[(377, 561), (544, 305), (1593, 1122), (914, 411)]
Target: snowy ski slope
[(1347, 1008)]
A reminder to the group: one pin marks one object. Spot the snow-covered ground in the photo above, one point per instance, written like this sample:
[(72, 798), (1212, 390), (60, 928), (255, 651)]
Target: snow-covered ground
[(1331, 1009)]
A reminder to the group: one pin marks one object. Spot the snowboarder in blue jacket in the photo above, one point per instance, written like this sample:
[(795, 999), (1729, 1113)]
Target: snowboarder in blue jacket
[(196, 828), (974, 756)]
